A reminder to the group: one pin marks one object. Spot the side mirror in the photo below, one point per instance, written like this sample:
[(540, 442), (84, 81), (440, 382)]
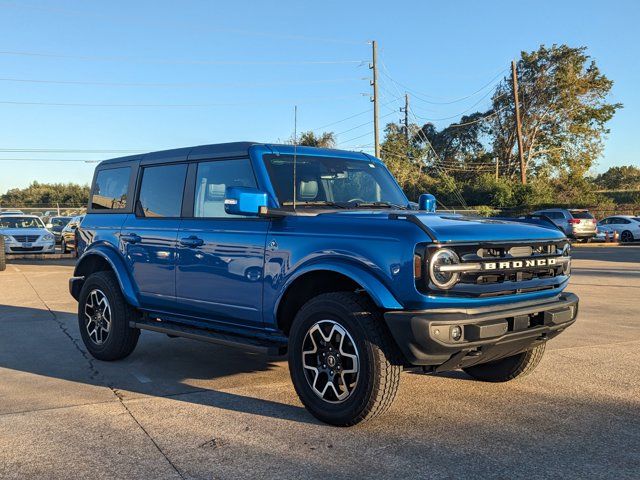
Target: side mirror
[(244, 201), (427, 202)]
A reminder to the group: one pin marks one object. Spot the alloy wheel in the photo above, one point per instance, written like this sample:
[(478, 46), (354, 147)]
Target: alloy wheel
[(330, 360), (97, 312), (626, 237)]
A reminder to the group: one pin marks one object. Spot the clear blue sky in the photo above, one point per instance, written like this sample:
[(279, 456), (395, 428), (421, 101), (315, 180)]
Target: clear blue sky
[(241, 62)]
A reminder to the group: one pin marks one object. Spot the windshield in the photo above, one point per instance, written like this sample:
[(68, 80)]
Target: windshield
[(60, 221), (576, 214), (20, 222), (333, 182)]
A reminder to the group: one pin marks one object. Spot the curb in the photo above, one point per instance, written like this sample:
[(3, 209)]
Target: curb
[(39, 256)]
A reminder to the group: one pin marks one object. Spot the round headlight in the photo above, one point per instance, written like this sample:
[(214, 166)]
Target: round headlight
[(443, 257)]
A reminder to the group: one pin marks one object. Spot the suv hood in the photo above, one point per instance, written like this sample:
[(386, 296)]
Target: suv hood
[(450, 228)]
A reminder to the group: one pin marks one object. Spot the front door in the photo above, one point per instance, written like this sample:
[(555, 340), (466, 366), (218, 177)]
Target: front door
[(148, 237), (221, 257)]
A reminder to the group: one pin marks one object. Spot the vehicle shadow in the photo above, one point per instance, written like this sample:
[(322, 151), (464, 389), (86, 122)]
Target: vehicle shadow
[(181, 369)]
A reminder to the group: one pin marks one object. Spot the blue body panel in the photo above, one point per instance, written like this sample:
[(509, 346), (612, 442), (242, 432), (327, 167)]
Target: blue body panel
[(242, 269)]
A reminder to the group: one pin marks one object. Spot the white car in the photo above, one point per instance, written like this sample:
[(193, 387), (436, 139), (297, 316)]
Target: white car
[(627, 226), (26, 234)]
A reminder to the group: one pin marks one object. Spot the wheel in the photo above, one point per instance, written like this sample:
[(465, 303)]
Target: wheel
[(3, 258), (63, 246), (508, 368), (104, 316), (626, 236), (343, 362)]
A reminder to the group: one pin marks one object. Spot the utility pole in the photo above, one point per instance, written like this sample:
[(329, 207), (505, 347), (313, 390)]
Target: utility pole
[(514, 76), (406, 118), (374, 84)]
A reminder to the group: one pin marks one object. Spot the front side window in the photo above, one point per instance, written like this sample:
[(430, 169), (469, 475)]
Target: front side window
[(161, 191), (59, 221), (20, 222), (110, 189), (212, 180), (333, 181)]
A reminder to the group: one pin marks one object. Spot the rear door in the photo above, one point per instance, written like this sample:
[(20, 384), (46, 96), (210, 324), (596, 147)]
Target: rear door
[(221, 257), (148, 236)]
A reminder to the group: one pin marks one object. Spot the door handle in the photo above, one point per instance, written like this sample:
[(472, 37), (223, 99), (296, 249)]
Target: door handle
[(191, 241), (130, 238)]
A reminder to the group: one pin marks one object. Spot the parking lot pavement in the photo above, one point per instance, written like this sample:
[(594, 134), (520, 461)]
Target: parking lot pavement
[(182, 409)]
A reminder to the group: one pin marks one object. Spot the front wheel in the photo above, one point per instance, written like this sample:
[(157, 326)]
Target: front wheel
[(343, 363), (508, 368), (104, 316)]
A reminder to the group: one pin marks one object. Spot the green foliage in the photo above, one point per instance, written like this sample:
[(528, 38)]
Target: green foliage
[(310, 139), (47, 194), (626, 177)]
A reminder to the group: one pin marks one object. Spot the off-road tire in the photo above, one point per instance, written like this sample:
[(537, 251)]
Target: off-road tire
[(379, 359), (122, 339), (3, 258), (508, 368)]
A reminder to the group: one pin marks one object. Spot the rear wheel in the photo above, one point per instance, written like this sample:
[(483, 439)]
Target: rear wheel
[(626, 236), (63, 246), (343, 362), (508, 368), (104, 316)]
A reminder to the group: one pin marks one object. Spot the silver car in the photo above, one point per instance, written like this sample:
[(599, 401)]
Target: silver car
[(627, 226), (26, 234), (575, 223)]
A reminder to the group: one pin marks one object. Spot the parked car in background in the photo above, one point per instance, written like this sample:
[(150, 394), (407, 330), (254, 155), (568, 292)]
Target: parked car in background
[(627, 226), (575, 223), (12, 212), (55, 226), (68, 234), (25, 234)]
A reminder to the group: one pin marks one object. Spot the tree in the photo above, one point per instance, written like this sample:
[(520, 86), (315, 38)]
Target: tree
[(309, 139), (564, 112), (68, 194), (619, 178)]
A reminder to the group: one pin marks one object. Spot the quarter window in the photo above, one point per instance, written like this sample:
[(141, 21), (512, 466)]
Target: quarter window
[(161, 191), (110, 189), (212, 180)]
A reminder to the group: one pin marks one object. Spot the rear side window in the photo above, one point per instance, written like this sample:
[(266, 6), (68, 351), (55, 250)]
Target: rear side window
[(212, 180), (582, 215), (161, 191), (110, 189)]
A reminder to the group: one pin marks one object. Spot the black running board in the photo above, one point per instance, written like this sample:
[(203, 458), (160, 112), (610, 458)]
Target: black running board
[(193, 333)]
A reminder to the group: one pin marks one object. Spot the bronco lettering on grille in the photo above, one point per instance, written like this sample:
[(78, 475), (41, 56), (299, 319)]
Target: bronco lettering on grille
[(517, 264)]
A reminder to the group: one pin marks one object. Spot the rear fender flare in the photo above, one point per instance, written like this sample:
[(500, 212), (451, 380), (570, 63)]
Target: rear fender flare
[(115, 260)]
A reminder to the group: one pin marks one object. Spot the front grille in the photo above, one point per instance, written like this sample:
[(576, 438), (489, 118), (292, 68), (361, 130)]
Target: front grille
[(501, 268), (26, 238), (26, 249)]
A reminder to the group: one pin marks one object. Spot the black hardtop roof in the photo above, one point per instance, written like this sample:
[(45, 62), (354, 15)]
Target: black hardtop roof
[(233, 149)]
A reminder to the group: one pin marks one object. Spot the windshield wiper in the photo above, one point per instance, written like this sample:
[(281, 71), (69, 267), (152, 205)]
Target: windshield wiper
[(380, 204), (315, 203)]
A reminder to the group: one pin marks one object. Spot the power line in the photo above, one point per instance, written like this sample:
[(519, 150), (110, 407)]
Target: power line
[(175, 85), (364, 124), (170, 105), (419, 95), (178, 61), (65, 150), (472, 107)]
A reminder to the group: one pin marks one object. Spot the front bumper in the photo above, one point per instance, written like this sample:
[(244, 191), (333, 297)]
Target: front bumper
[(34, 247), (426, 337)]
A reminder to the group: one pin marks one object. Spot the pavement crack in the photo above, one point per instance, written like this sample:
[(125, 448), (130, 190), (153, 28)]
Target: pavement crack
[(94, 372), (96, 375)]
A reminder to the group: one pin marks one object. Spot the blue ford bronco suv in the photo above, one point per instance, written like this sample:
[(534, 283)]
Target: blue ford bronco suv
[(317, 253)]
